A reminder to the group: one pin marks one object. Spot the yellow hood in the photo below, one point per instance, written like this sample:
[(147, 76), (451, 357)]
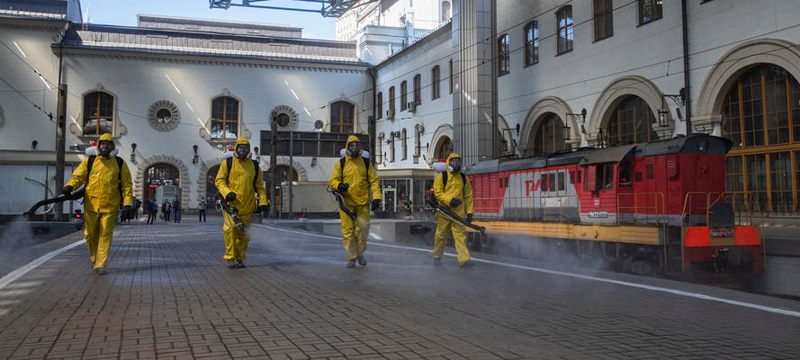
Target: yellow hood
[(351, 138), (451, 157), (242, 141), (106, 137)]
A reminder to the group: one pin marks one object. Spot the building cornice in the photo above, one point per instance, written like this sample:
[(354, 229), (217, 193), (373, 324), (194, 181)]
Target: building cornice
[(209, 59)]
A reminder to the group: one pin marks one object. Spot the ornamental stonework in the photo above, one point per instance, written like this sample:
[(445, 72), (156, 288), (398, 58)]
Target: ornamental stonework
[(163, 115)]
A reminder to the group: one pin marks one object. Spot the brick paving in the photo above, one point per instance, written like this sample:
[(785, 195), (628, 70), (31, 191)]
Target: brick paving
[(168, 296)]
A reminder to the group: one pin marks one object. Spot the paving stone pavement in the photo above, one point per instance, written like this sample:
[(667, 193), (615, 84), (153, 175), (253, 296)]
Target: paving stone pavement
[(169, 296)]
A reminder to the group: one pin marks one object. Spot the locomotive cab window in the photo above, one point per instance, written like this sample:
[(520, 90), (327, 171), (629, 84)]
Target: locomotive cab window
[(603, 176), (625, 178)]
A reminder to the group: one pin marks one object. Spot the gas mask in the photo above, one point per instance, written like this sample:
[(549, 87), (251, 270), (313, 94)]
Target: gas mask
[(354, 148), (104, 148), (242, 151), (455, 164)]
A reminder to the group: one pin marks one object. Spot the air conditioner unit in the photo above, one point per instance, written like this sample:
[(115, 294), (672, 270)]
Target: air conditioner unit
[(412, 106)]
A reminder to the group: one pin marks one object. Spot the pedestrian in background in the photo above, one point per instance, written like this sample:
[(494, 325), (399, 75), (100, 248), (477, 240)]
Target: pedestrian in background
[(202, 209)]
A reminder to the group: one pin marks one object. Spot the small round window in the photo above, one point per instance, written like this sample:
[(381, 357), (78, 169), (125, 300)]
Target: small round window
[(164, 115), (283, 119)]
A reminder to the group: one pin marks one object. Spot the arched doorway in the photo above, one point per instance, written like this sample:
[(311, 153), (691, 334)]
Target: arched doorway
[(161, 175), (443, 149), (630, 122), (761, 115), (211, 178), (283, 173), (548, 137)]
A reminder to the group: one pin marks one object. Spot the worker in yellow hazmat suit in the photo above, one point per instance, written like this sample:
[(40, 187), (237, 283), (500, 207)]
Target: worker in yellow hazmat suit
[(240, 183), (452, 189), (355, 178), (108, 183)]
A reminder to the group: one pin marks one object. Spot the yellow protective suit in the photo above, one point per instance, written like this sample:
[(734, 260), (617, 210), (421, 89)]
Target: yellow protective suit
[(239, 179), (456, 188), (362, 181), (102, 201)]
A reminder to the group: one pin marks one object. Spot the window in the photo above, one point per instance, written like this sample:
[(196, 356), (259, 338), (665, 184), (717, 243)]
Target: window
[(391, 102), (761, 116), (417, 89), (403, 95), (379, 105), (342, 117), (603, 19), (503, 53), (224, 118), (549, 137), (98, 113), (404, 137), (631, 123), (531, 43), (451, 76), (283, 119), (565, 30), (561, 185), (445, 11), (604, 176), (435, 82), (649, 10)]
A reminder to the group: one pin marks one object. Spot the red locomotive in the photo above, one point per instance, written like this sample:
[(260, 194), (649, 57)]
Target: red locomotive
[(663, 201)]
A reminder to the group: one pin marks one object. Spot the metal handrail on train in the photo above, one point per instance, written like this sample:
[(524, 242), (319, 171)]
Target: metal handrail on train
[(658, 199)]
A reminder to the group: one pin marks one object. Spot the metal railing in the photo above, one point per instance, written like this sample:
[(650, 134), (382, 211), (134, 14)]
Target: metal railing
[(650, 206)]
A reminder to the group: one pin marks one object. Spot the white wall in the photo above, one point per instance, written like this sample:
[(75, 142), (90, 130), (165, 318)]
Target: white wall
[(431, 113), (23, 122), (138, 83)]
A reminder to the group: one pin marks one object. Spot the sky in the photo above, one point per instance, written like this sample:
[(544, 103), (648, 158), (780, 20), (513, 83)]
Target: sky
[(123, 12)]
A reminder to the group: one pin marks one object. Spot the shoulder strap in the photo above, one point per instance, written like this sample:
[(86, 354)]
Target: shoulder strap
[(89, 165), (229, 162), (463, 179), (444, 179), (341, 168), (255, 177), (119, 173)]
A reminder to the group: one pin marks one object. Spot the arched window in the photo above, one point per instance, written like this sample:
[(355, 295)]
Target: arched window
[(435, 82), (631, 123), (404, 137), (443, 149), (445, 11), (549, 137), (379, 106), (761, 115), (224, 118), (403, 95), (532, 43), (417, 89), (98, 113), (391, 103), (649, 10), (603, 19), (342, 117), (503, 54), (565, 29)]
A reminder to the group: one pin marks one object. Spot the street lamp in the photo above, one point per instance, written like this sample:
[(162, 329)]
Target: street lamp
[(133, 153), (582, 116), (663, 113)]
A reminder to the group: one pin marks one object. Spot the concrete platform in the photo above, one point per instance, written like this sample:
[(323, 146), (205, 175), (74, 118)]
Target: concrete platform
[(168, 295)]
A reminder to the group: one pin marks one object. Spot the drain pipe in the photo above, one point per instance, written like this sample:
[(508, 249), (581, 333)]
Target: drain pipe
[(686, 69)]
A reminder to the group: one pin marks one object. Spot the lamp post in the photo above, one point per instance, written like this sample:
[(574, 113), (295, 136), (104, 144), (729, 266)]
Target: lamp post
[(133, 153), (273, 161)]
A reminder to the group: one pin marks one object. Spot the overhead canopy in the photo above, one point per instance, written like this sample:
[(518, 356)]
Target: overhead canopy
[(609, 155)]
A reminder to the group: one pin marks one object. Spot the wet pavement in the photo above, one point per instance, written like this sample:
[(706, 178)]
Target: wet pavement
[(168, 295)]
